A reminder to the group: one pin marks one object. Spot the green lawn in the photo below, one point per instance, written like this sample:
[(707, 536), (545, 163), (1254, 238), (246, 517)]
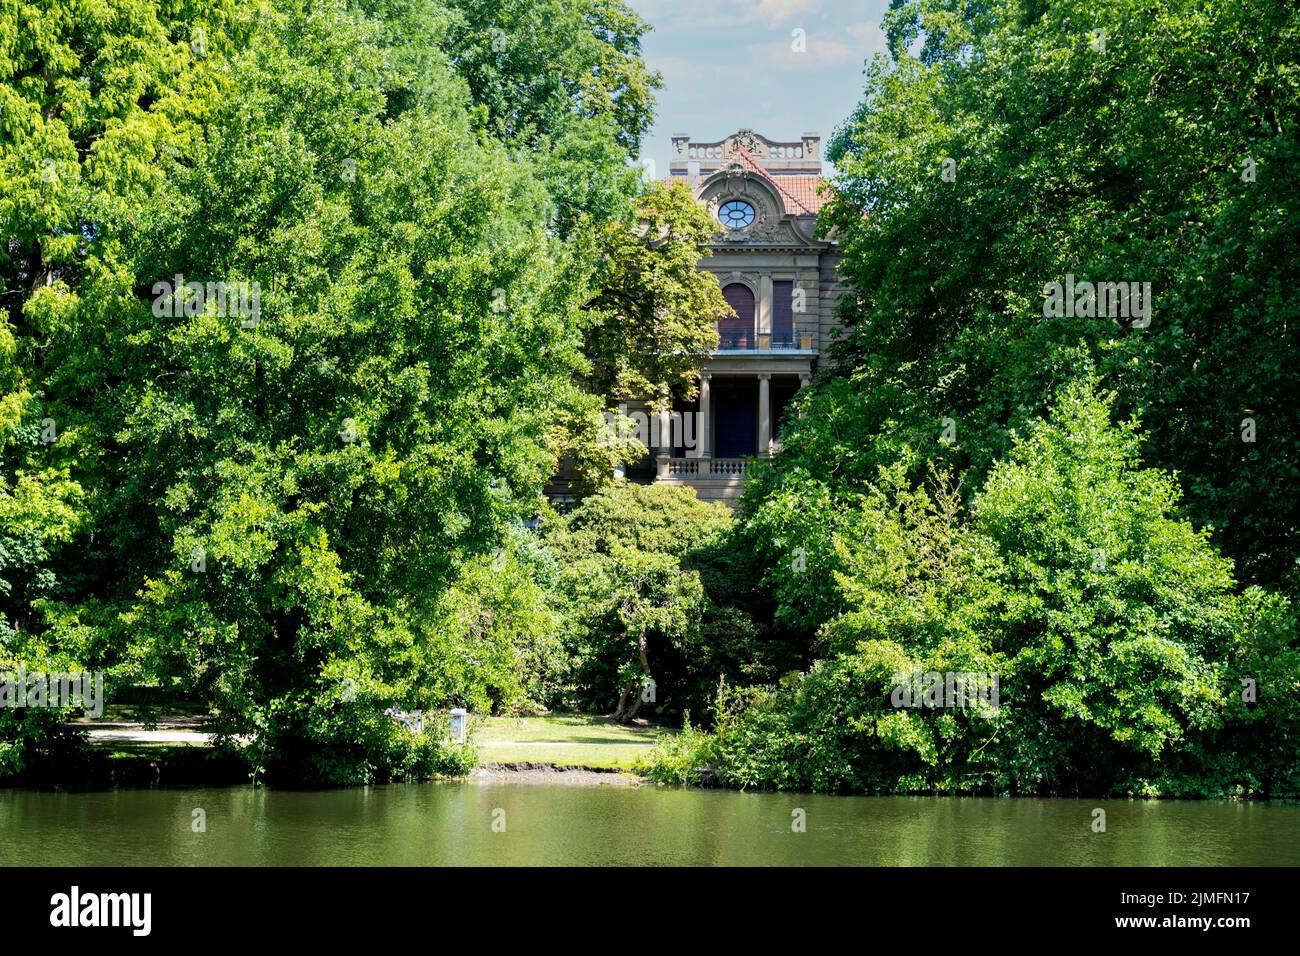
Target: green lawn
[(170, 712), (565, 740), (579, 740)]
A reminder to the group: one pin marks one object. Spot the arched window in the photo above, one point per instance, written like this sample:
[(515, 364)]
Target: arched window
[(737, 332)]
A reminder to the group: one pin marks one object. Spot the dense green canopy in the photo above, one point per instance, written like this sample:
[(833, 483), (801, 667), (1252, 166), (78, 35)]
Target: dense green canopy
[(1108, 141), (1090, 497), (295, 308), (304, 302)]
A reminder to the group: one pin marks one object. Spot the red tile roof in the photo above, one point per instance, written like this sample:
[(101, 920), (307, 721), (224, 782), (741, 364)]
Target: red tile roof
[(803, 189), (800, 197)]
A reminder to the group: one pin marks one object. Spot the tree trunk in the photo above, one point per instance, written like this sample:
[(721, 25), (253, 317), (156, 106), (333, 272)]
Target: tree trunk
[(622, 699), (620, 715)]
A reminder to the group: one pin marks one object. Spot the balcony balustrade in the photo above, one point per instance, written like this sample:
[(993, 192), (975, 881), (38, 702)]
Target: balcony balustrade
[(691, 468), (743, 340)]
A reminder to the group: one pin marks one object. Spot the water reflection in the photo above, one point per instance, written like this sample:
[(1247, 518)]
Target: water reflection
[(452, 824)]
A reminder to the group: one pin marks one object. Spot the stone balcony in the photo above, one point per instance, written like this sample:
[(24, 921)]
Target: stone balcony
[(714, 479), (733, 340), (725, 468)]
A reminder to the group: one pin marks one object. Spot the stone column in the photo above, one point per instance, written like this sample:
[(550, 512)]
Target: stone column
[(664, 451), (705, 432), (764, 415)]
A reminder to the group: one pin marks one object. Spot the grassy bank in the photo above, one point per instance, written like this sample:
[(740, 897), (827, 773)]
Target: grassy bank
[(566, 740), (167, 746)]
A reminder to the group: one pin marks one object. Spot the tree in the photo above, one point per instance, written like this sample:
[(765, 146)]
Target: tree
[(1122, 618), (649, 322), (629, 599), (1032, 142), (563, 79), (653, 318), (537, 67), (297, 456), (1113, 627), (93, 98)]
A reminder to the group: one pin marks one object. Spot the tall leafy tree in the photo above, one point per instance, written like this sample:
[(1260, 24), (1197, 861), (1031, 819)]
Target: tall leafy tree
[(537, 67), (307, 327), (632, 605), (1035, 141), (1030, 145), (563, 79), (1115, 629), (655, 312), (94, 97)]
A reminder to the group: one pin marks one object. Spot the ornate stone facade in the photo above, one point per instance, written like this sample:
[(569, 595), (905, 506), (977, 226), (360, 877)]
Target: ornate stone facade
[(782, 281)]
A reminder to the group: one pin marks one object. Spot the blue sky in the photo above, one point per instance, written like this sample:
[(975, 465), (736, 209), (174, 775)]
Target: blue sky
[(729, 64)]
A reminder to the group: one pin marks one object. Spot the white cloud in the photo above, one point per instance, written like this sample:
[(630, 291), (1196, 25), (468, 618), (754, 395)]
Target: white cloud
[(682, 71), (773, 12), (869, 36), (684, 14), (824, 51)]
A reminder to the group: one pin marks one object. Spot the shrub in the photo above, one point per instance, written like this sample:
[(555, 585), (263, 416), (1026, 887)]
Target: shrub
[(685, 757), (631, 603), (1112, 624)]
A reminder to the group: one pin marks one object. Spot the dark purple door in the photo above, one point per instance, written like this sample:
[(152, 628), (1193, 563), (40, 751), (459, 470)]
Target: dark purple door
[(735, 418)]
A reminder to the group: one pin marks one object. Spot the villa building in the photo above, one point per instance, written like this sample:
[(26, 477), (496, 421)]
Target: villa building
[(780, 280)]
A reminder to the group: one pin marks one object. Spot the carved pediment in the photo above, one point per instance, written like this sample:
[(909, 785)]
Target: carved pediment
[(746, 139), (766, 231), (771, 225)]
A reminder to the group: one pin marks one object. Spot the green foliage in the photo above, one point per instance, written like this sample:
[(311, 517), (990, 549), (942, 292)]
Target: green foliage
[(496, 641), (629, 596), (656, 518), (535, 65), (563, 78), (1125, 614), (1025, 143), (1113, 626), (737, 639), (681, 757), (653, 583), (656, 314), (305, 519), (41, 511), (333, 478), (352, 743), (1089, 139), (93, 97), (26, 732), (297, 513), (647, 327)]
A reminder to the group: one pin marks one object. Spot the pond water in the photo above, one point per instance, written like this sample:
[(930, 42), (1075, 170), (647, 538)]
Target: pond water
[(496, 822)]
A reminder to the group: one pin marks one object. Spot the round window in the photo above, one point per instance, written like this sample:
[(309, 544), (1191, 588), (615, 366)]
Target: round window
[(736, 214)]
